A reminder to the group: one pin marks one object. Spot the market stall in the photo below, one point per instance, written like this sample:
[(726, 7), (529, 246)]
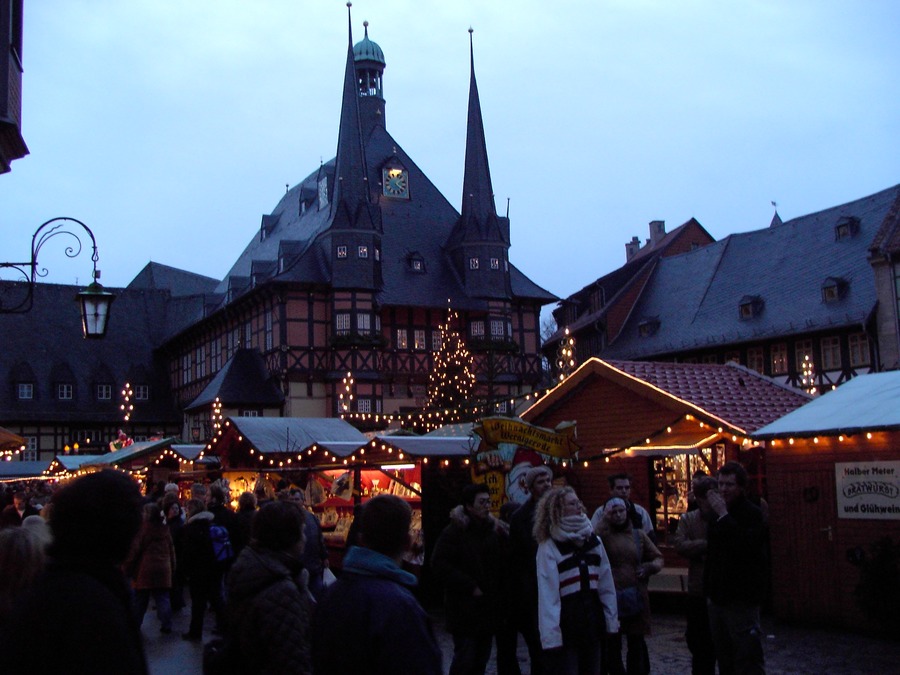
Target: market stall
[(834, 504)]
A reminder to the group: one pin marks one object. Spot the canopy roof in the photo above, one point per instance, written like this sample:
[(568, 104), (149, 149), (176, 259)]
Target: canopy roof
[(10, 441), (865, 403), (21, 470)]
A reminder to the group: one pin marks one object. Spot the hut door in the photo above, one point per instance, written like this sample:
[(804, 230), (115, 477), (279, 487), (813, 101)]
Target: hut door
[(804, 547)]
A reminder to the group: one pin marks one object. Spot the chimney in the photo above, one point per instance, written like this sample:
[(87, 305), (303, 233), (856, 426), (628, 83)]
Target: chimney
[(631, 248), (657, 231)]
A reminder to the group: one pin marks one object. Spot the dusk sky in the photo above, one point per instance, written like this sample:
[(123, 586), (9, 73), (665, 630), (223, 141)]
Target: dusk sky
[(170, 128)]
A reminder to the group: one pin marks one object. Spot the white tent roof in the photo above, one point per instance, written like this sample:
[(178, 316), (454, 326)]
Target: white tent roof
[(865, 403)]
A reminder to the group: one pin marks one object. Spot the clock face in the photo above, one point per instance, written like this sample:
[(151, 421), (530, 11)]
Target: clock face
[(395, 183)]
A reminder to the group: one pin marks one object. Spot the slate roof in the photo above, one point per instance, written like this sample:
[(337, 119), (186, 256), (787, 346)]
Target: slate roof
[(420, 225), (618, 281), (865, 403), (290, 434), (177, 281), (244, 380), (47, 342), (695, 296), (887, 240)]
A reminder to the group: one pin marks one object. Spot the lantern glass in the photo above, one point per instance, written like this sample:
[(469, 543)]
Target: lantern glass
[(95, 304)]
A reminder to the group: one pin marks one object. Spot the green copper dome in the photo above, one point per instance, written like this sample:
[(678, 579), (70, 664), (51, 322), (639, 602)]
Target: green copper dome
[(366, 50)]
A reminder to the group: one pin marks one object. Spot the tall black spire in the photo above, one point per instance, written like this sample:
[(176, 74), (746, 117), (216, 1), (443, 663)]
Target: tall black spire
[(479, 242), (478, 192), (351, 207)]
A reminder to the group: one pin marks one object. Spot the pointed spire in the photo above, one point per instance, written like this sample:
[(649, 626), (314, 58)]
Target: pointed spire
[(349, 207), (776, 219), (478, 192)]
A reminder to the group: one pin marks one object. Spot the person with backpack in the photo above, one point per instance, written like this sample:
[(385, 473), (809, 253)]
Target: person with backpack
[(203, 563)]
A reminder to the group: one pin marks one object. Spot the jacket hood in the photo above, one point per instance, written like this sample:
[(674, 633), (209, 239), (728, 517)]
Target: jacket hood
[(370, 563), (257, 568), (203, 515)]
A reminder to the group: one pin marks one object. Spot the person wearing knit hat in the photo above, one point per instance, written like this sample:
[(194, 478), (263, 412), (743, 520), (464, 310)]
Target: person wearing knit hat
[(534, 472), (523, 545)]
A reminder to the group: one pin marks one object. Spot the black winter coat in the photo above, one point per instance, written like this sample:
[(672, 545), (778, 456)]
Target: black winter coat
[(466, 556), (268, 612), (735, 569)]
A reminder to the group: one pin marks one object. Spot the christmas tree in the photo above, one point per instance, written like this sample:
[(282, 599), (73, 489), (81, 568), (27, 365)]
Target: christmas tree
[(452, 380)]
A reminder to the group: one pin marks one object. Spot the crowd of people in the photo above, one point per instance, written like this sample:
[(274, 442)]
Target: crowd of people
[(85, 566)]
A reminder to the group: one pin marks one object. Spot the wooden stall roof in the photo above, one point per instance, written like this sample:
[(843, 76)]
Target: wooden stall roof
[(137, 450), (15, 470), (63, 464), (670, 407), (10, 441), (865, 403), (189, 452)]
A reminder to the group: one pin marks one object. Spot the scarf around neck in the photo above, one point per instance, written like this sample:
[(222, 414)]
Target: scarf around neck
[(574, 529)]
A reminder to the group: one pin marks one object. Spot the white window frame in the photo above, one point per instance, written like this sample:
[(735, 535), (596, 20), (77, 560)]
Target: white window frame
[(104, 392), (498, 329), (495, 263), (477, 329), (31, 452), (342, 323), (65, 392), (200, 361), (186, 366), (362, 252), (341, 252), (756, 359), (859, 349), (364, 405), (419, 338), (25, 391), (363, 322), (778, 358), (215, 354), (402, 338), (436, 341), (473, 263), (831, 352), (141, 392), (270, 335)]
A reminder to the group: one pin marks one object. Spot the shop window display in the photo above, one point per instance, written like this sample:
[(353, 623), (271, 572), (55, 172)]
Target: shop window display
[(672, 481)]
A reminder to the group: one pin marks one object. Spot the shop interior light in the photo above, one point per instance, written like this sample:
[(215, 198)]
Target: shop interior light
[(397, 467)]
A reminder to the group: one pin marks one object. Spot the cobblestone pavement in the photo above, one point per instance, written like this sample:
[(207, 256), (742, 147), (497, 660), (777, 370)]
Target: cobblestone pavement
[(789, 649)]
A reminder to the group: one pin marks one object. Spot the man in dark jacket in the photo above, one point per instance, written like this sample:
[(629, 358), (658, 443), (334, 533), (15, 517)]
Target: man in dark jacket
[(78, 617), (538, 480), (200, 568), (19, 510), (372, 606), (734, 577), (468, 558)]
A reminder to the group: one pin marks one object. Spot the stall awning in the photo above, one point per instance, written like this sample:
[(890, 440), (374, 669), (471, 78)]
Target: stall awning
[(865, 403), (10, 441), (15, 470)]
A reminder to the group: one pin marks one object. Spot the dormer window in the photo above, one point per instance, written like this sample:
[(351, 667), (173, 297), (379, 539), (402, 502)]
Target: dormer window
[(416, 262), (473, 263), (323, 193), (25, 391), (64, 392), (377, 254), (750, 306), (362, 251), (847, 227), (341, 251), (648, 326), (495, 263), (834, 289)]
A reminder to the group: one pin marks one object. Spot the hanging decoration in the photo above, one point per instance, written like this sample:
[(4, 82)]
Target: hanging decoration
[(216, 415), (565, 356), (808, 377)]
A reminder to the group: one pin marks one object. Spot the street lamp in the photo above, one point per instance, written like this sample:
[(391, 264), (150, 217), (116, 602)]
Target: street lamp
[(94, 302)]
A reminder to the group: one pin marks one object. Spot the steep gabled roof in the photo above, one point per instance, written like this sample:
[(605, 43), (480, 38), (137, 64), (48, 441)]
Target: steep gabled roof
[(696, 295), (178, 282), (887, 239), (244, 380)]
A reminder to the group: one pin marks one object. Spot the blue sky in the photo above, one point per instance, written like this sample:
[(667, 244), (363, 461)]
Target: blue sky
[(170, 127)]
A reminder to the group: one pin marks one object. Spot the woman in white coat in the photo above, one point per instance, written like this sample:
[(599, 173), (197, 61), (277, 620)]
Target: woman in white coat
[(576, 595)]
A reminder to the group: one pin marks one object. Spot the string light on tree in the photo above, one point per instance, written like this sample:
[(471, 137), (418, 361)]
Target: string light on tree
[(809, 375), (452, 380), (127, 406), (345, 398), (216, 415), (565, 356)]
